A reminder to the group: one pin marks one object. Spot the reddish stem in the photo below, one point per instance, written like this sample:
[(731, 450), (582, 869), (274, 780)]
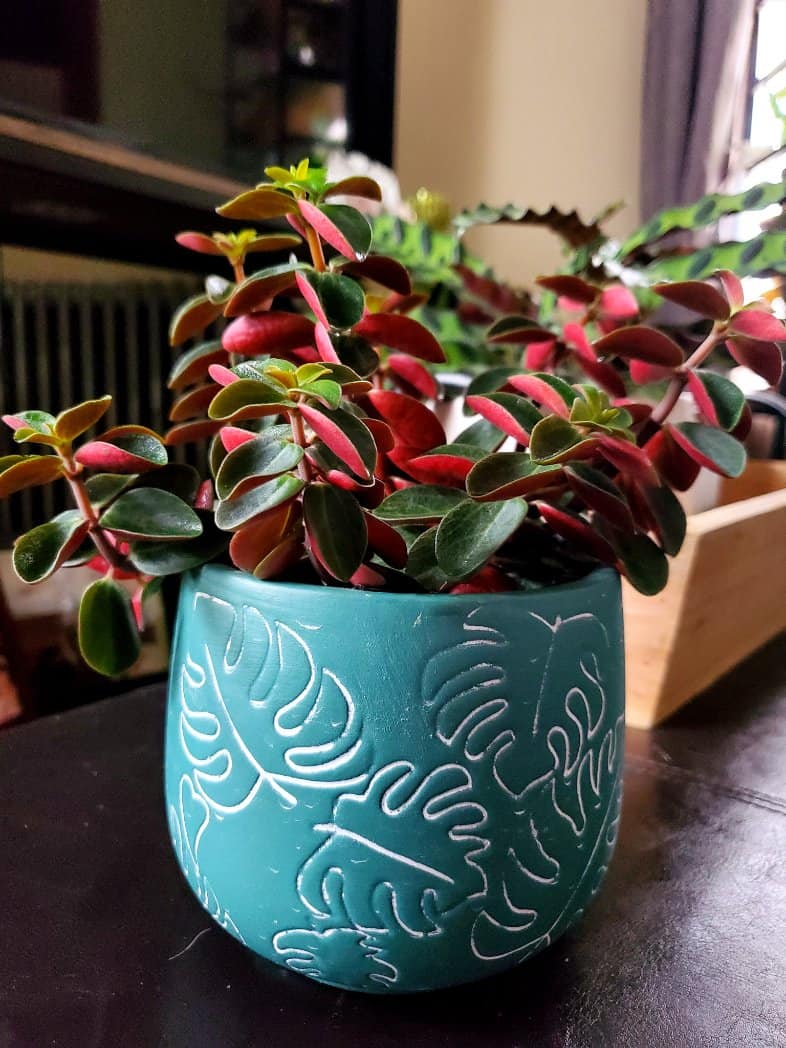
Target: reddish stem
[(663, 409), (86, 508)]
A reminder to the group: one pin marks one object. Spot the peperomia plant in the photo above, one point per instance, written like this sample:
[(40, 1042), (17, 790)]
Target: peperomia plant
[(328, 459)]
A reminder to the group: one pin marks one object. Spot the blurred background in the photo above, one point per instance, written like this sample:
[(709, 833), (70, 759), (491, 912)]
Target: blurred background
[(122, 123)]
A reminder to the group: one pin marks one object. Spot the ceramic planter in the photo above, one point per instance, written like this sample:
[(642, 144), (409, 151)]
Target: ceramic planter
[(394, 792)]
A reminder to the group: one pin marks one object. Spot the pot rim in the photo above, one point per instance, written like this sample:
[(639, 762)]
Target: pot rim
[(595, 578)]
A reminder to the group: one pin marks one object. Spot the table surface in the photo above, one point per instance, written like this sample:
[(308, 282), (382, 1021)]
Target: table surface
[(103, 944)]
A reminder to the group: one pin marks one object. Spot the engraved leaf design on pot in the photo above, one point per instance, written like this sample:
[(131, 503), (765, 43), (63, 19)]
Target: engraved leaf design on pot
[(331, 954), (401, 854), (475, 708), (256, 711)]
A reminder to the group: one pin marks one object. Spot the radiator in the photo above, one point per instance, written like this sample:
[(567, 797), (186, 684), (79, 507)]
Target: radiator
[(62, 343)]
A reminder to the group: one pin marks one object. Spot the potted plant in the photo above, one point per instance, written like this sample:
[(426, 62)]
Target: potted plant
[(395, 718)]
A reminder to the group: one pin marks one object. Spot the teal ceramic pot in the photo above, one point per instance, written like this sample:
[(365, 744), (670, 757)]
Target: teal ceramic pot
[(394, 792)]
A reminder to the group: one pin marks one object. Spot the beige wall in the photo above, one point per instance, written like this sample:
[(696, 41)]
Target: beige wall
[(534, 101)]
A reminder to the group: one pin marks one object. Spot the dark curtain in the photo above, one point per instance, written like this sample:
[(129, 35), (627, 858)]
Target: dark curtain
[(694, 81)]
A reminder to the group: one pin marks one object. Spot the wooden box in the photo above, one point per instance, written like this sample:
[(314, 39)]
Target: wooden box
[(726, 597)]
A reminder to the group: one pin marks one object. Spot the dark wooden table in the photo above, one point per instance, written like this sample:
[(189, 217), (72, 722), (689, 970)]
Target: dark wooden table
[(103, 944)]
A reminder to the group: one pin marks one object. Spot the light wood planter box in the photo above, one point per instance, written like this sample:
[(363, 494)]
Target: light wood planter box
[(726, 597)]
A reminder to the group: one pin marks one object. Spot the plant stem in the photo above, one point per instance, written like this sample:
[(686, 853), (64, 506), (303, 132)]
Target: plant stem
[(663, 409), (299, 437), (86, 508), (240, 273), (315, 247)]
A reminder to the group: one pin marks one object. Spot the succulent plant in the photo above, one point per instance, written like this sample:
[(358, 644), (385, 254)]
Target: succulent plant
[(328, 460)]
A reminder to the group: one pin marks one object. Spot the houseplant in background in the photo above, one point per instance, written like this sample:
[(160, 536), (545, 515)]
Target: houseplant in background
[(394, 732)]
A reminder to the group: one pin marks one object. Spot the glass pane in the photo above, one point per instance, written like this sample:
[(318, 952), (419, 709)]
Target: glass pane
[(316, 110), (768, 115), (771, 39), (315, 40)]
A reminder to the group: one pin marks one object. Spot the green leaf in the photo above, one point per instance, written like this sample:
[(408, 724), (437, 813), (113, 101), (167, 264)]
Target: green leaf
[(258, 204), (76, 420), (192, 318), (669, 516), (704, 212), (482, 434), (40, 421), (173, 558), (177, 477), (342, 299), (489, 382), (247, 398), (108, 637), (102, 488), (150, 513), (473, 532), (422, 562), (710, 447), (507, 475), (43, 550), (356, 353), (644, 562), (193, 365), (551, 438), (257, 459), (323, 390), (231, 515), (421, 504), (352, 225), (336, 529), (727, 401), (764, 255), (120, 451), (566, 224), (18, 472)]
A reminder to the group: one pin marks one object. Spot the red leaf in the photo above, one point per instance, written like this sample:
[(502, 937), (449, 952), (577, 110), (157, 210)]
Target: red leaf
[(696, 295), (329, 232), (297, 225), (187, 432), (443, 468), (204, 495), (414, 374), (487, 580), (401, 333), (205, 245), (499, 416), (355, 185), (640, 343), (386, 542), (756, 324), (233, 436), (570, 287), (575, 530), (576, 338), (312, 298), (618, 302), (382, 270), (324, 343), (539, 390), (334, 438), (603, 375), (305, 355), (743, 427), (261, 333), (222, 375), (396, 303), (381, 432), (411, 421), (537, 356), (702, 398), (254, 541), (13, 422), (639, 411), (194, 403), (677, 469), (628, 458), (366, 576), (732, 287), (108, 458), (765, 358), (642, 374)]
